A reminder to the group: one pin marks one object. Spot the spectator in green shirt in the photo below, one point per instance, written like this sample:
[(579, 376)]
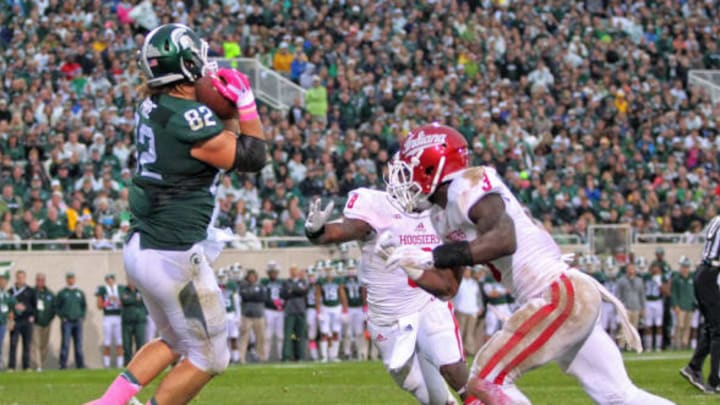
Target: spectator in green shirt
[(70, 306), (134, 319), (54, 227), (683, 304), (44, 314), (6, 315)]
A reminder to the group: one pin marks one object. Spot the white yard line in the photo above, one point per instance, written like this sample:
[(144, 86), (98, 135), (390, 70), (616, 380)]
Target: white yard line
[(658, 357)]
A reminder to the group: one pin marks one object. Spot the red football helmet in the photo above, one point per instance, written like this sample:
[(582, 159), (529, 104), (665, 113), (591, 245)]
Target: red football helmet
[(427, 157)]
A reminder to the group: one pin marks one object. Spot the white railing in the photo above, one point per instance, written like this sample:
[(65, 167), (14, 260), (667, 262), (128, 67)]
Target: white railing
[(706, 80), (653, 238), (269, 86), (567, 239)]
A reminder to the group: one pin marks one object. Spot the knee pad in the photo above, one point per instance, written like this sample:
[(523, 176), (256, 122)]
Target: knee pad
[(212, 354), (206, 343)]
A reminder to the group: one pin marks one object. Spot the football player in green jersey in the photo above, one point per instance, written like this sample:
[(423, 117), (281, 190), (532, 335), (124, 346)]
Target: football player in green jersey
[(231, 299), (657, 285), (182, 148), (354, 329), (274, 316), (311, 311), (108, 301), (330, 304)]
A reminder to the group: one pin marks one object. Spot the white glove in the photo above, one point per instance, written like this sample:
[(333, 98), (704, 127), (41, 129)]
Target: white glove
[(320, 316), (412, 259), (386, 245), (317, 217), (568, 258)]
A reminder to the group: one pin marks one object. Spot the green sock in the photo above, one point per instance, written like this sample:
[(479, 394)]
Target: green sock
[(130, 377)]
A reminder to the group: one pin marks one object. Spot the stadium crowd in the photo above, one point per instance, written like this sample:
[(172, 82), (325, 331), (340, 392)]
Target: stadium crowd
[(583, 106)]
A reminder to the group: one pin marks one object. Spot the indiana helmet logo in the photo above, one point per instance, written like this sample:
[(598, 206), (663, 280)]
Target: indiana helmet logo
[(422, 140)]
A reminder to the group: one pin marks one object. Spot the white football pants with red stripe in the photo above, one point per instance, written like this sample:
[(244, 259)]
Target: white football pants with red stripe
[(560, 325), (414, 347)]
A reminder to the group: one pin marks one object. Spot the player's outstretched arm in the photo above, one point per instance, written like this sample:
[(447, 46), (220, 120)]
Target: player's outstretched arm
[(320, 232), (495, 237)]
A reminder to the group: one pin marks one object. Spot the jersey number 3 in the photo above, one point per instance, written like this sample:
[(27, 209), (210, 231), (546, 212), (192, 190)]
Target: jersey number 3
[(486, 186)]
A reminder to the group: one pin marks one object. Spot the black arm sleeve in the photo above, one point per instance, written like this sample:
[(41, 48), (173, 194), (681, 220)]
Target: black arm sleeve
[(250, 154)]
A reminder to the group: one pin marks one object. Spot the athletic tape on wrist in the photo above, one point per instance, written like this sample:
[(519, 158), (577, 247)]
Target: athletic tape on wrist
[(316, 234)]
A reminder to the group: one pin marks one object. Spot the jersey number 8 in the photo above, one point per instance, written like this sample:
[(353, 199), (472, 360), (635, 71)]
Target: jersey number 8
[(199, 118)]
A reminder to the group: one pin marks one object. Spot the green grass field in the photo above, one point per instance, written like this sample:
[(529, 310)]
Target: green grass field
[(342, 383)]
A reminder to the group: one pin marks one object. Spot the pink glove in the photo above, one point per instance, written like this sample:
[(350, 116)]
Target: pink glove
[(235, 86), (278, 304)]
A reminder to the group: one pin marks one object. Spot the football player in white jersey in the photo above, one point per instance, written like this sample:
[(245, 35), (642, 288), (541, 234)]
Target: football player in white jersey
[(415, 332), (481, 222)]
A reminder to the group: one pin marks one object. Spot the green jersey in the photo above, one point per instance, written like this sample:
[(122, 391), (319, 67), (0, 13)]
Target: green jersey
[(229, 292), (666, 269), (171, 195), (133, 307), (111, 299), (330, 290), (353, 291), (600, 277), (683, 292), (70, 304), (492, 287), (311, 296), (272, 293), (7, 302), (44, 307)]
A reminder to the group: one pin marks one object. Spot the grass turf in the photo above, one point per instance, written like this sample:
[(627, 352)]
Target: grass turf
[(341, 383)]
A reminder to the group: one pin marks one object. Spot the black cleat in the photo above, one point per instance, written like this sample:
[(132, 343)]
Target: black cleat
[(695, 378)]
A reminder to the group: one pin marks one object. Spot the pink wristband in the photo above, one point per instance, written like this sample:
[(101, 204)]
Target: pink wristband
[(247, 113)]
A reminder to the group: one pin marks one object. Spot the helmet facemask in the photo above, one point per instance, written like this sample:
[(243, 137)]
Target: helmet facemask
[(405, 192)]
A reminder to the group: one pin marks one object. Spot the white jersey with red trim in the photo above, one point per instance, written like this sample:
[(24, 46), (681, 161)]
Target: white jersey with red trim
[(537, 262), (390, 293)]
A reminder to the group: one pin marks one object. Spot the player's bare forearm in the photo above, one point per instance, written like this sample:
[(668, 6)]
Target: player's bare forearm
[(343, 298), (232, 125), (665, 289), (495, 236), (252, 128), (442, 283), (344, 230), (318, 298), (496, 243)]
